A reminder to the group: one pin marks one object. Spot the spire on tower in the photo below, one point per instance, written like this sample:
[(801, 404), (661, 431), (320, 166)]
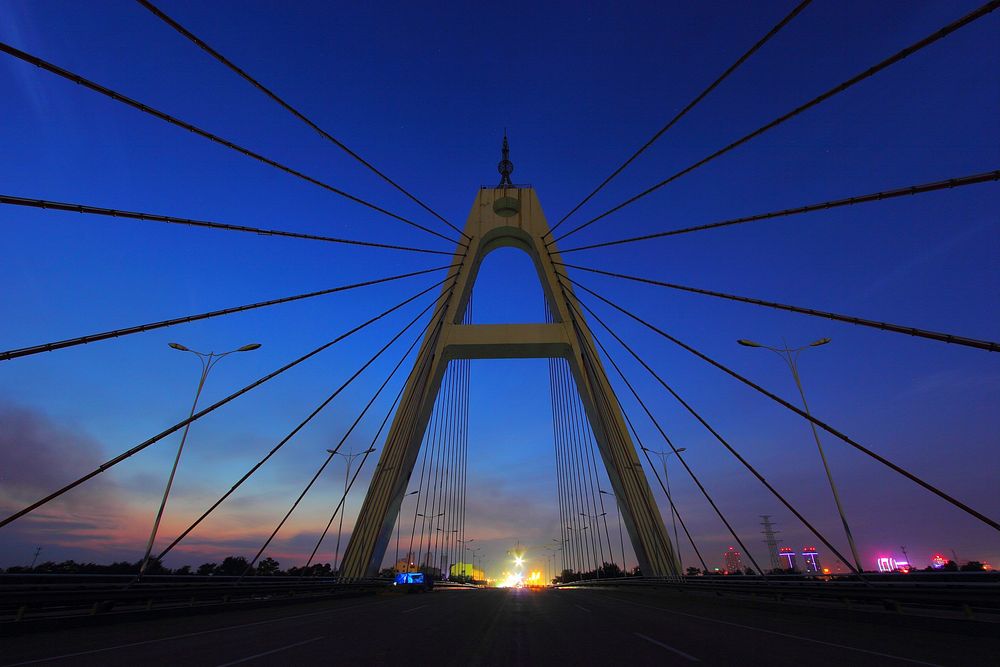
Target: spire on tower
[(505, 166)]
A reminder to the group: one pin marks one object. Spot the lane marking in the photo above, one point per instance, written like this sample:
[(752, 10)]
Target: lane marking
[(669, 648), (407, 611), (779, 634), (192, 634), (261, 655), (583, 608)]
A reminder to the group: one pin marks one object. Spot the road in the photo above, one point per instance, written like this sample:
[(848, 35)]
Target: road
[(503, 627)]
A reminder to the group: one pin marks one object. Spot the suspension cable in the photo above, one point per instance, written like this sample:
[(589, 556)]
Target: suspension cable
[(725, 444), (921, 188), (385, 419), (274, 450), (989, 346), (603, 400), (208, 224), (96, 87), (871, 71), (218, 404), (354, 424), (673, 507), (667, 439), (826, 427), (683, 112), (118, 333), (288, 107)]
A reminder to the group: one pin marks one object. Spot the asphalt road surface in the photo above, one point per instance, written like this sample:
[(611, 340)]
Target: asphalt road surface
[(504, 627)]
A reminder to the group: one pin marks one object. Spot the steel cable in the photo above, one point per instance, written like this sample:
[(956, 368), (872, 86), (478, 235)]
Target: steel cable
[(921, 188), (96, 87), (978, 13), (288, 107), (117, 333), (683, 112), (206, 224), (218, 404), (826, 427), (987, 345)]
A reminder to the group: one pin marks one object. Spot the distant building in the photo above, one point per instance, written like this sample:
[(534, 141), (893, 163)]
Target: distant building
[(732, 560), (810, 560), (407, 564), (788, 558)]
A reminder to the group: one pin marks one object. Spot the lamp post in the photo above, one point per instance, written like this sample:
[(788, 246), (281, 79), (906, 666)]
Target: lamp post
[(673, 514), (791, 357), (621, 535), (466, 547), (594, 518), (432, 518), (349, 458), (208, 362), (399, 515)]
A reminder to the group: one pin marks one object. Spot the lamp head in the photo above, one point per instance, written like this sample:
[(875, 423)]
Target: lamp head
[(821, 341), (247, 348), (681, 449), (178, 346), (748, 343)]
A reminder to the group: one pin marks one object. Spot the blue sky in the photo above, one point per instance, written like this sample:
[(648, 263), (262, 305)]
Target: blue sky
[(425, 94)]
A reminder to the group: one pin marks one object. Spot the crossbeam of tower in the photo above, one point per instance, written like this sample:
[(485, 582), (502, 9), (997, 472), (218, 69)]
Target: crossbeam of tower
[(507, 216)]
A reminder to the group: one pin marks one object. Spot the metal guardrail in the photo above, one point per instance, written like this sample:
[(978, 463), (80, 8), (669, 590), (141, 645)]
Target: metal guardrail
[(969, 596), (55, 596)]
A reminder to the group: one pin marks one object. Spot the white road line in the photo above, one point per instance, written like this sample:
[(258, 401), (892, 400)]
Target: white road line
[(779, 634), (189, 634), (583, 608), (669, 648), (407, 611), (261, 655)]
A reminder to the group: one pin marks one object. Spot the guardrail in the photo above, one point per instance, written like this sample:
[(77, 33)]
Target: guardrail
[(971, 597), (57, 596)]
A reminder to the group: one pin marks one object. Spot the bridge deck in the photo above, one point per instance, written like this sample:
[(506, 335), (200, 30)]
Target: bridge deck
[(505, 627)]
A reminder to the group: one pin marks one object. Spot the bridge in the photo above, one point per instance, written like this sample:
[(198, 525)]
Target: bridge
[(622, 557)]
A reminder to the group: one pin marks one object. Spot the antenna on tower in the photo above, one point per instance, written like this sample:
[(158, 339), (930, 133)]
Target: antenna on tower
[(505, 166)]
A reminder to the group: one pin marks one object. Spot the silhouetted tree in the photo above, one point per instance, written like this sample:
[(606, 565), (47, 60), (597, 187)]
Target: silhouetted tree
[(185, 569), (973, 566), (268, 567), (233, 566), (693, 572), (206, 569)]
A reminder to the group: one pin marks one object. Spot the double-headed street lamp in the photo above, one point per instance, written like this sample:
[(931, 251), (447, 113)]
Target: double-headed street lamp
[(208, 362), (399, 516), (791, 357), (673, 514), (621, 535), (349, 457)]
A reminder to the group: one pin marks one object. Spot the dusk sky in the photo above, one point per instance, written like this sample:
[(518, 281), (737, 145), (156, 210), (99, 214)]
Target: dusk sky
[(425, 93)]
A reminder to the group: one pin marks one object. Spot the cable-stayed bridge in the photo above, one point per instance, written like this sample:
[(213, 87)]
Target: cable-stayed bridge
[(657, 599)]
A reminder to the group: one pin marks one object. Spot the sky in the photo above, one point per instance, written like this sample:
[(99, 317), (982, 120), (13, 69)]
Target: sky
[(425, 93)]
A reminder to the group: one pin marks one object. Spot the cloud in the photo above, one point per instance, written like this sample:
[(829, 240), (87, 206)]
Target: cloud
[(37, 456)]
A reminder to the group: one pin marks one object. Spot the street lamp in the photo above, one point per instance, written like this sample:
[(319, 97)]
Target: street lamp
[(621, 535), (399, 515), (594, 517), (791, 357), (349, 458), (673, 514), (208, 362)]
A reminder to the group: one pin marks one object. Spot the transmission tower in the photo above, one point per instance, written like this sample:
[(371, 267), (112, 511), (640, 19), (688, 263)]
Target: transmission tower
[(771, 541)]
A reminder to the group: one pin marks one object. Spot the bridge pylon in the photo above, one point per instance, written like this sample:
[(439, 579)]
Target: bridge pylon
[(507, 216)]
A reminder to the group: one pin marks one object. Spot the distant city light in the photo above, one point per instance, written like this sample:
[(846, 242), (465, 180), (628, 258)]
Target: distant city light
[(938, 561), (890, 564)]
